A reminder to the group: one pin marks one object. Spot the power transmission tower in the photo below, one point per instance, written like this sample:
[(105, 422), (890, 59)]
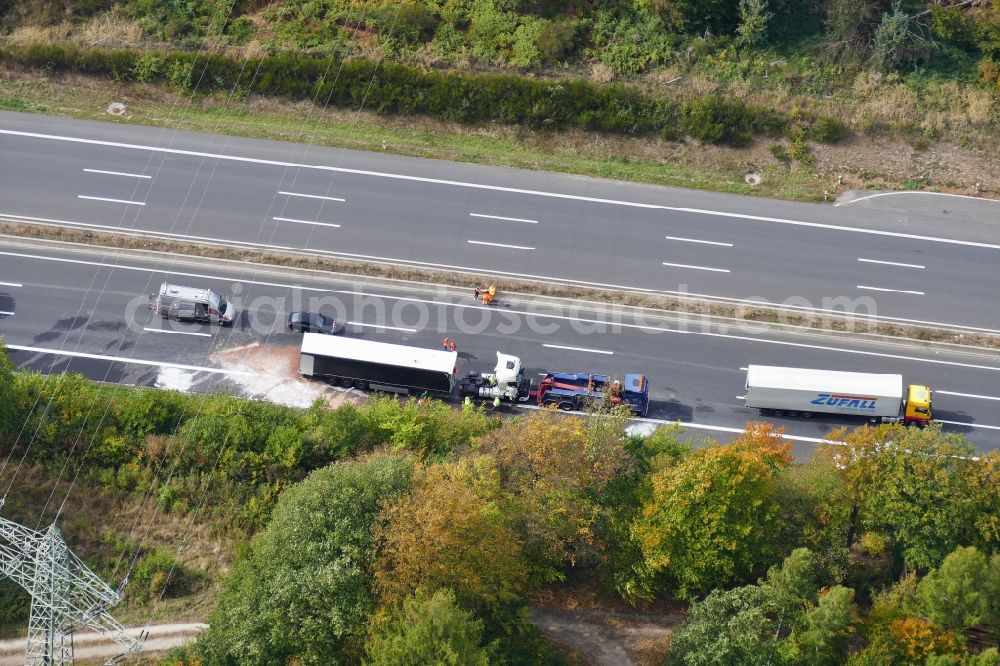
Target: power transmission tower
[(65, 594)]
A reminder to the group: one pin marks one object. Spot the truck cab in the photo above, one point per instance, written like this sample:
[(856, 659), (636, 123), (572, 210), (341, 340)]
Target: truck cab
[(507, 381), (917, 409)]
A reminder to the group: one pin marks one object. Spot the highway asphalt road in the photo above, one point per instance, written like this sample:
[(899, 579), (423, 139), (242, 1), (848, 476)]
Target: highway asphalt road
[(85, 310), (919, 257)]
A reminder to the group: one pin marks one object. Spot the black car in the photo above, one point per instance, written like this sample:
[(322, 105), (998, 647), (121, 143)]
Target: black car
[(310, 322)]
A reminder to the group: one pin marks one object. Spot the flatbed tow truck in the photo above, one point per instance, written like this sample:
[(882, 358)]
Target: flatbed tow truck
[(581, 391)]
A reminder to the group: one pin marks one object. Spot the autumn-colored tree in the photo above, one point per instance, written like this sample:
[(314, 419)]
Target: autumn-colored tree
[(552, 471), (766, 441), (443, 534), (913, 639), (713, 518)]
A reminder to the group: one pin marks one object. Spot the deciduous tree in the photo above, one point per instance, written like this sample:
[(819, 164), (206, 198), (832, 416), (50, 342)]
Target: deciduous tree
[(728, 627), (445, 535), (302, 593), (917, 486), (823, 632), (956, 595), (713, 518), (428, 630), (552, 472)]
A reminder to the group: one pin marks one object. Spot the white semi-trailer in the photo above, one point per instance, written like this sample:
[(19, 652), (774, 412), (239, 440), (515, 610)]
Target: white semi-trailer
[(804, 392), (377, 366)]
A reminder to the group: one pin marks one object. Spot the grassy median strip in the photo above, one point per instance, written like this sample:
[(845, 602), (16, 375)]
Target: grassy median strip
[(692, 307)]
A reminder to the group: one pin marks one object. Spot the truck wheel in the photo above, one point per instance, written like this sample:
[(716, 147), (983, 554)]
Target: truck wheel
[(566, 406), (549, 403), (361, 384), (779, 412), (807, 415), (346, 383)]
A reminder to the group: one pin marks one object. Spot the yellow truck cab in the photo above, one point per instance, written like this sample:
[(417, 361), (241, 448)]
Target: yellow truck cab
[(918, 405)]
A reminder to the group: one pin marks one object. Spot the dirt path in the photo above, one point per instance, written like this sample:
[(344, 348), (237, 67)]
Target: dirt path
[(608, 638), (88, 646)]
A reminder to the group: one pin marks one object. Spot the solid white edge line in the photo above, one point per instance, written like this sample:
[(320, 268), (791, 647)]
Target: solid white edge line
[(390, 328), (318, 224), (964, 424), (496, 188), (966, 395), (889, 263), (740, 431), (123, 359), (162, 330), (6, 314), (512, 247), (11, 284), (126, 267), (579, 349), (697, 268), (894, 291), (310, 196), (703, 426), (695, 240), (164, 234), (118, 173), (890, 194), (506, 219)]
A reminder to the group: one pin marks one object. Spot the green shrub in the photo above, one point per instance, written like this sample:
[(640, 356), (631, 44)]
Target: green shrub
[(147, 66), (524, 50), (448, 44), (798, 149), (157, 575), (952, 25), (178, 72), (557, 39), (410, 23), (10, 409), (491, 30), (240, 30), (779, 153), (988, 33), (827, 130), (716, 120)]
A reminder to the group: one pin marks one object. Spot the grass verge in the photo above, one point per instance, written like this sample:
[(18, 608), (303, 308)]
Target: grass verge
[(646, 159)]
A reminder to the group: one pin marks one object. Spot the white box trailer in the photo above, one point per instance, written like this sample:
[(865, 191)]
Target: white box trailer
[(804, 391), (377, 366)]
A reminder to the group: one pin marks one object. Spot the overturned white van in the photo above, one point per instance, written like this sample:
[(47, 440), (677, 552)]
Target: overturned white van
[(190, 304)]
